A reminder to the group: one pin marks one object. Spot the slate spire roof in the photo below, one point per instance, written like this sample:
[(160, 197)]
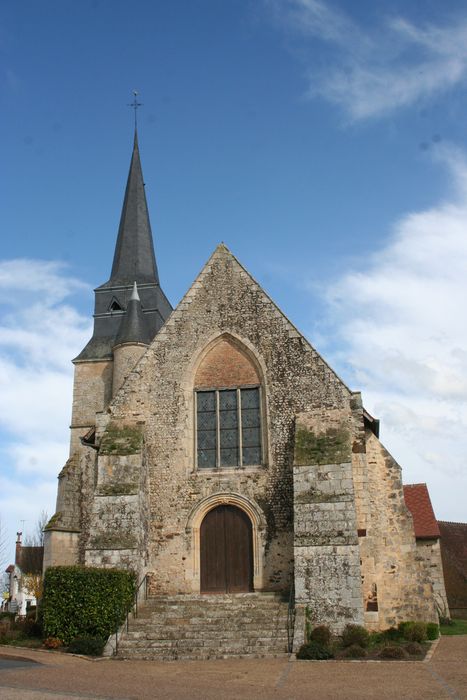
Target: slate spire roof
[(133, 328), (134, 257), (134, 261)]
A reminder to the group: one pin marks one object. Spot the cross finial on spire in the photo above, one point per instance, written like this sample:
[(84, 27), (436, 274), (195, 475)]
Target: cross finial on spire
[(135, 104)]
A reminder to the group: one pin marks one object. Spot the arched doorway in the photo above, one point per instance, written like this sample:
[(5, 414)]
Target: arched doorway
[(226, 551)]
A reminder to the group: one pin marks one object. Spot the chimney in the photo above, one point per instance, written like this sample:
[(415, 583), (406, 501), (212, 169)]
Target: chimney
[(18, 548)]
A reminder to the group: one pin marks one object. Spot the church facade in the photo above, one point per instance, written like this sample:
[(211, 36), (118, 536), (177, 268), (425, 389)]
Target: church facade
[(214, 450)]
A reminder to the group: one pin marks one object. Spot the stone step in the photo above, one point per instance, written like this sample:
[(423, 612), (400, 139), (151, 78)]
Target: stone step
[(136, 640), (220, 605), (194, 642), (201, 656), (209, 616), (203, 627), (196, 626)]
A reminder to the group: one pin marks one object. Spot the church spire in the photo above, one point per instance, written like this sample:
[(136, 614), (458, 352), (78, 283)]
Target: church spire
[(134, 261), (134, 257)]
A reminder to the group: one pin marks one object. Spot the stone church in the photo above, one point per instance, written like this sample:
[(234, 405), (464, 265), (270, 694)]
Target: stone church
[(214, 451)]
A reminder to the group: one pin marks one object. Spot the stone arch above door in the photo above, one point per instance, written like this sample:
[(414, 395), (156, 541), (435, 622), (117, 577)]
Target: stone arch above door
[(258, 523)]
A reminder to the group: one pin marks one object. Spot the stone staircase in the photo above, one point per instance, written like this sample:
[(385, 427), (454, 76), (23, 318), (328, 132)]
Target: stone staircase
[(207, 627)]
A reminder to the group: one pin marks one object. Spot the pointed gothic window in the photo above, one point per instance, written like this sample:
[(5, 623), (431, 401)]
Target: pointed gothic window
[(228, 408), (228, 428)]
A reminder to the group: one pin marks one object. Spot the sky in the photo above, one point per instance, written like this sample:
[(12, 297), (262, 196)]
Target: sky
[(325, 142)]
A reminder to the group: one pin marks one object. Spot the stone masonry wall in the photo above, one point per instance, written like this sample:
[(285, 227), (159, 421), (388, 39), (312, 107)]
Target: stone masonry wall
[(117, 528), (125, 358), (223, 301), (60, 548), (327, 564), (92, 391), (430, 550), (390, 560)]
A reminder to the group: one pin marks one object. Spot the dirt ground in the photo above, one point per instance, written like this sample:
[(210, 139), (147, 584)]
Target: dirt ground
[(56, 676)]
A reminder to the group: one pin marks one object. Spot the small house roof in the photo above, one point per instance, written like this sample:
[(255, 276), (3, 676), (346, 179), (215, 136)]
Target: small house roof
[(29, 559), (417, 500)]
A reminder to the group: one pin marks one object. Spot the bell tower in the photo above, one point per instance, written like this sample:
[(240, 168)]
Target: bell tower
[(129, 310)]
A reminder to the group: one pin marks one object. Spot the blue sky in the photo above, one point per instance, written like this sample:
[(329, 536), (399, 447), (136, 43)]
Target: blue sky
[(323, 142)]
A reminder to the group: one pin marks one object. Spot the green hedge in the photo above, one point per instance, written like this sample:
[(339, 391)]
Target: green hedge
[(80, 601)]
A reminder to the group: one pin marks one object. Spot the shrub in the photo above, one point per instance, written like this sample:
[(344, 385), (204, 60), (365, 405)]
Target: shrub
[(415, 632), (321, 634), (432, 630), (314, 650), (446, 621), (30, 628), (83, 601), (392, 652), (354, 651), (355, 634), (5, 615), (401, 628), (392, 634), (376, 638), (52, 643), (89, 646), (413, 648), (9, 635)]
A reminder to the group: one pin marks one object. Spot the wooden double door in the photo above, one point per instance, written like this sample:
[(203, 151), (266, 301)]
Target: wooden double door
[(226, 551)]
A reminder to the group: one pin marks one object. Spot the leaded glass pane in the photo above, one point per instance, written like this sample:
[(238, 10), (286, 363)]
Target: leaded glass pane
[(251, 455), (250, 418), (206, 458), (206, 428), (229, 457), (250, 398), (207, 420), (228, 400), (229, 438), (250, 437), (206, 400), (206, 439), (228, 419)]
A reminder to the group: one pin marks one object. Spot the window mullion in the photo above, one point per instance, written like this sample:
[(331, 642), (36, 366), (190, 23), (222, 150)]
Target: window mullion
[(218, 433), (196, 429), (239, 421)]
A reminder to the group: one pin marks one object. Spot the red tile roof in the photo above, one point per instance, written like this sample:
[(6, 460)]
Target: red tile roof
[(417, 500)]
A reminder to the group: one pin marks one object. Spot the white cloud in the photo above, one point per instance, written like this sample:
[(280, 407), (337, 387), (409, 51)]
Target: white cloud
[(39, 334), (403, 340), (372, 71)]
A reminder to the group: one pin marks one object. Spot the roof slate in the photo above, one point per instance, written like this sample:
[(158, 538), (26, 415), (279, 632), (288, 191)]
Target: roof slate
[(133, 327), (134, 257), (417, 500), (134, 260)]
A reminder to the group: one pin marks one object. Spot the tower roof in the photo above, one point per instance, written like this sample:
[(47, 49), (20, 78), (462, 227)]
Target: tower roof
[(134, 261), (134, 257), (133, 328)]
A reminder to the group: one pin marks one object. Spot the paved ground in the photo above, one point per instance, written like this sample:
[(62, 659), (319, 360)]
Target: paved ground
[(63, 677)]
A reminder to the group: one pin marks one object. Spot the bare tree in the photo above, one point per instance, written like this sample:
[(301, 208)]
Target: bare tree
[(37, 538), (3, 547)]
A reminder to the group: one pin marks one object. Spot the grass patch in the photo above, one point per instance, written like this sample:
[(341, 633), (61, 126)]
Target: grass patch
[(20, 641), (456, 627)]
